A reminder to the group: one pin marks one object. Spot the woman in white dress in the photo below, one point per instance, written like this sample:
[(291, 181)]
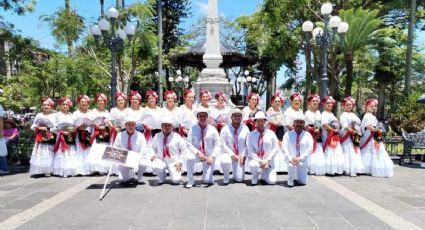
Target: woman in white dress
[(220, 113), (275, 115), (134, 110), (248, 112), (375, 157), (330, 136), (102, 127), (187, 113), (42, 154), (204, 99), (350, 138), (313, 120), (66, 161), (171, 109), (84, 132), (293, 111), (275, 123), (151, 117), (117, 115)]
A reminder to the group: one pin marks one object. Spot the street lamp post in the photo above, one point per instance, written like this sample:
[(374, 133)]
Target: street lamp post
[(324, 39), (113, 40), (181, 83)]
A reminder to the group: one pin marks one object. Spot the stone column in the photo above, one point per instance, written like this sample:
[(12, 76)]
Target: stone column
[(213, 78)]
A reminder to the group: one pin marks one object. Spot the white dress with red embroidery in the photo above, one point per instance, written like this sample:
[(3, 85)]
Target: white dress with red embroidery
[(42, 154), (100, 166), (332, 147), (187, 117), (353, 158), (66, 161), (317, 160), (83, 150), (375, 157)]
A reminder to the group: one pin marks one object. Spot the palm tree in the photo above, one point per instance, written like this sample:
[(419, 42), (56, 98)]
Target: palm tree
[(362, 25), (67, 26)]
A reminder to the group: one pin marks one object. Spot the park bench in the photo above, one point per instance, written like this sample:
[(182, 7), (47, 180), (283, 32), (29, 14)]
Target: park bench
[(413, 141)]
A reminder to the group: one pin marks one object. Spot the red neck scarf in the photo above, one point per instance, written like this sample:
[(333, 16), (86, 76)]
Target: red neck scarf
[(202, 147), (297, 144), (260, 152), (165, 149), (235, 140), (129, 145)]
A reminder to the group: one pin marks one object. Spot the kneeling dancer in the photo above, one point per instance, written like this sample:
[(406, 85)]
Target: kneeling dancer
[(297, 146)]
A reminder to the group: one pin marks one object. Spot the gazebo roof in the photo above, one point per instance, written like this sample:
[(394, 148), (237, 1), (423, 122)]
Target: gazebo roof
[(193, 57)]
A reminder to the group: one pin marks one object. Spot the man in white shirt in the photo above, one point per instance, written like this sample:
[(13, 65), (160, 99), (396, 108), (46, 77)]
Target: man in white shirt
[(169, 148), (297, 145), (132, 140), (262, 145), (233, 137), (206, 140)]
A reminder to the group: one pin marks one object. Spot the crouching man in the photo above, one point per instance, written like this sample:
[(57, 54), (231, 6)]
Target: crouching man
[(169, 148), (297, 145), (233, 138), (132, 140), (262, 145)]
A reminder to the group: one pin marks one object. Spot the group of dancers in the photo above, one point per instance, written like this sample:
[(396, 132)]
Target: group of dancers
[(204, 138)]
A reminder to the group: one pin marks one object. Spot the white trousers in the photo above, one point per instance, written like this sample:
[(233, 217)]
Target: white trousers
[(269, 175), (160, 166), (126, 173), (298, 173), (207, 170), (238, 170)]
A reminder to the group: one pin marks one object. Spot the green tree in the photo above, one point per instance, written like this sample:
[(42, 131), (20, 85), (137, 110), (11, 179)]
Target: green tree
[(67, 26), (362, 25)]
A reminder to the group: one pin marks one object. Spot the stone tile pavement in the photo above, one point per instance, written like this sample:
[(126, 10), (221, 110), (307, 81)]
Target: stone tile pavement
[(236, 206)]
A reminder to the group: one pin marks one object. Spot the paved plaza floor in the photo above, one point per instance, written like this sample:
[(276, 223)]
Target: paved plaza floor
[(325, 203)]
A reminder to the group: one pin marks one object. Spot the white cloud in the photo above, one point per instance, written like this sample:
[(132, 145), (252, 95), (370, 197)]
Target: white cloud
[(202, 6)]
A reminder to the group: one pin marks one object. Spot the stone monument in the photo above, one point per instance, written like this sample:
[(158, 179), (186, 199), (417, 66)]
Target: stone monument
[(213, 78)]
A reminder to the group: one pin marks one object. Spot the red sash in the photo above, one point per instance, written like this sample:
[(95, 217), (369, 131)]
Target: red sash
[(147, 132), (313, 134), (250, 122), (114, 134), (331, 141), (345, 137), (60, 142), (182, 131), (273, 127), (219, 126), (369, 138), (82, 136)]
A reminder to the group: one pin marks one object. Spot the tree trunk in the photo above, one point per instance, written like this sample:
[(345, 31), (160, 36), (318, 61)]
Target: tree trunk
[(69, 43), (333, 84), (102, 8), (271, 86), (381, 99), (359, 96), (348, 58), (410, 31)]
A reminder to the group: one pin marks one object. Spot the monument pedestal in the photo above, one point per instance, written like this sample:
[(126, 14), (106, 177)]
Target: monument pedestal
[(214, 80)]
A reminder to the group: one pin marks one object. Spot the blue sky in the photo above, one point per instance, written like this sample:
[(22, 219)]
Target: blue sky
[(30, 25)]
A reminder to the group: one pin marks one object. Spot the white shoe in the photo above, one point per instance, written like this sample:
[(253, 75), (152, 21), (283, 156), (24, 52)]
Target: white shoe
[(226, 179), (254, 180), (190, 183), (290, 183), (162, 178)]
